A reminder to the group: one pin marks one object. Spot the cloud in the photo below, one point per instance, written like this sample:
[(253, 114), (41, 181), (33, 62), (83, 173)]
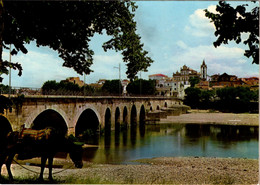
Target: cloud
[(181, 44), (199, 24), (107, 59), (37, 68), (219, 60), (106, 67)]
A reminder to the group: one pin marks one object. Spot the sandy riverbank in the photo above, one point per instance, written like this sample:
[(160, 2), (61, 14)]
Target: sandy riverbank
[(170, 170), (205, 117)]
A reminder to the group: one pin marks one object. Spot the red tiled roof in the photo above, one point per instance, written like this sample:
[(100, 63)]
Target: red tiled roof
[(159, 75)]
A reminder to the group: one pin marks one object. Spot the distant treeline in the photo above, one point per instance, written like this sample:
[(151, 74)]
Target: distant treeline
[(4, 89), (65, 88), (110, 87), (229, 99)]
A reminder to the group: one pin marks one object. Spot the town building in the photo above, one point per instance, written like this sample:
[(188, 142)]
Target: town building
[(225, 80), (203, 84), (99, 84), (75, 80), (252, 81), (181, 80), (163, 84), (101, 81), (203, 71)]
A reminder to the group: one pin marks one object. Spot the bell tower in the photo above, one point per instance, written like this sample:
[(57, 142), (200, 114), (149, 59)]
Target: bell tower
[(203, 71)]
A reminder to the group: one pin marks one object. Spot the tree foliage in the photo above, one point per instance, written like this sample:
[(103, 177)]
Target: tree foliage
[(52, 87), (67, 27), (194, 80), (141, 87), (5, 104), (192, 97), (112, 87), (4, 89), (231, 22), (228, 99)]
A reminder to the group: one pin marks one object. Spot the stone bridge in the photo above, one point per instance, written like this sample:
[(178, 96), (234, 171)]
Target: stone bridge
[(77, 114)]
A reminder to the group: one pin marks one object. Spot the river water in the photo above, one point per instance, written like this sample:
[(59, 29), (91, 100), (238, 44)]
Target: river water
[(174, 140)]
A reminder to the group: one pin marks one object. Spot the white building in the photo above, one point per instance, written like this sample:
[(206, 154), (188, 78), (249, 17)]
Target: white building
[(163, 84)]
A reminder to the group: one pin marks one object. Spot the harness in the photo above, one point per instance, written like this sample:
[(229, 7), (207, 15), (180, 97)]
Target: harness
[(34, 135)]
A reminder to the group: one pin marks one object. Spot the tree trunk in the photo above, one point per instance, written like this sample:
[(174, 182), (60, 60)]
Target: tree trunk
[(1, 37)]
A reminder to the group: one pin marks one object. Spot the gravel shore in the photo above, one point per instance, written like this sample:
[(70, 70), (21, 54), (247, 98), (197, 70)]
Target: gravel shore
[(205, 117), (170, 170)]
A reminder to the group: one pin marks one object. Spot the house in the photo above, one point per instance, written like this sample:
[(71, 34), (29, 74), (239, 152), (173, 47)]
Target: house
[(163, 84), (75, 80), (225, 80), (252, 81), (203, 84), (157, 77)]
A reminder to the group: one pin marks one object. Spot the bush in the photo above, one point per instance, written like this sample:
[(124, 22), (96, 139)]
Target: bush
[(229, 99), (141, 87)]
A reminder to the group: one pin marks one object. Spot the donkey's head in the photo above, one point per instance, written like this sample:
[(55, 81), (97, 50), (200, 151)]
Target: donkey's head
[(76, 152)]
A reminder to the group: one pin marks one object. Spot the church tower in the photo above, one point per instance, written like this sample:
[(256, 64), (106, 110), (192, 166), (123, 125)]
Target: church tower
[(203, 71)]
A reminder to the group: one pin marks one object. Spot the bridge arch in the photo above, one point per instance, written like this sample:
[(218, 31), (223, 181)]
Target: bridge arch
[(125, 116), (108, 119), (117, 118), (133, 115), (87, 121), (29, 121), (50, 118), (158, 107), (142, 115), (81, 110)]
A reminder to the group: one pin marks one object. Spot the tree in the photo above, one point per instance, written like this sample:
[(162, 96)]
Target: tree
[(231, 22), (141, 87), (113, 87), (49, 86), (235, 99), (206, 98), (62, 88), (194, 80), (4, 89), (88, 90), (67, 26), (5, 104), (192, 97)]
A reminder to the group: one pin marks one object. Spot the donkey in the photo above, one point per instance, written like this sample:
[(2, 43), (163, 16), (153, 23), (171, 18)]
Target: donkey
[(38, 143)]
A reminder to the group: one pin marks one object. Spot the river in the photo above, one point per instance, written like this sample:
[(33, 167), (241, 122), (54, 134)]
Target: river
[(174, 140)]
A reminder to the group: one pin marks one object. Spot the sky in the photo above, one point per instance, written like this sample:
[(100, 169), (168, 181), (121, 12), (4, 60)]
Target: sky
[(175, 33)]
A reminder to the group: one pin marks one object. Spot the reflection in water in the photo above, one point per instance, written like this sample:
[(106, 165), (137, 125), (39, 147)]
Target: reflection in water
[(171, 140), (117, 138)]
